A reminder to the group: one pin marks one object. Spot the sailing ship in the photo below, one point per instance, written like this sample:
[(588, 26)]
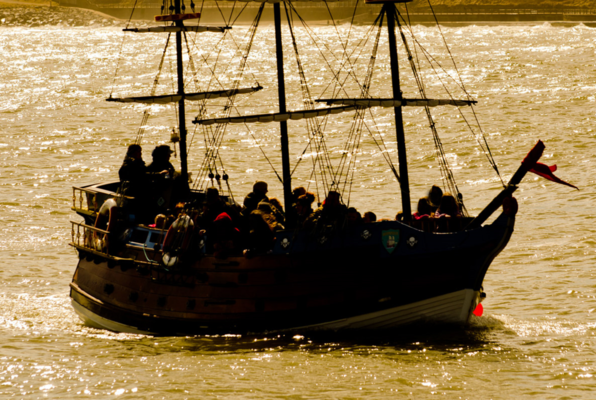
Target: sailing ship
[(132, 277)]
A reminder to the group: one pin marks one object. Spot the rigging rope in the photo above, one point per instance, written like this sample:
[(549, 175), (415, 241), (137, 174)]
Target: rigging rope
[(352, 143), (240, 13), (213, 138), (221, 12), (203, 103), (121, 47), (314, 124), (231, 12), (316, 40), (445, 168), (320, 149), (146, 114), (348, 159), (484, 147)]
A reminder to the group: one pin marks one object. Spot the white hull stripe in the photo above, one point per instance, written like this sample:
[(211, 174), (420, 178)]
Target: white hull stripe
[(93, 320), (450, 308)]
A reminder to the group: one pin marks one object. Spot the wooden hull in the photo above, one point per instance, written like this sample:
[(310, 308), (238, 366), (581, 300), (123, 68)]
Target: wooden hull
[(450, 308), (346, 282)]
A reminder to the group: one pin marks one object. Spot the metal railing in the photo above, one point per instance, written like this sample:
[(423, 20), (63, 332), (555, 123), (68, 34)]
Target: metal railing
[(84, 200), (89, 237)]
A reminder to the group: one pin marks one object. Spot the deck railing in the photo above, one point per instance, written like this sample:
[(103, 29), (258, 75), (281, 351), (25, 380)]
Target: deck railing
[(89, 237), (84, 200)]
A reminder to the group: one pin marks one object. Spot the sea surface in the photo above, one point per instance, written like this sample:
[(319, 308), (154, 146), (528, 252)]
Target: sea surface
[(536, 338)]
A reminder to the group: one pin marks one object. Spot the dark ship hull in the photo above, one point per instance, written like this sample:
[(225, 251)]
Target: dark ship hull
[(351, 280)]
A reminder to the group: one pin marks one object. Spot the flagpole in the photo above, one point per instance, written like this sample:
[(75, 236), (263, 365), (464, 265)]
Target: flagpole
[(527, 164)]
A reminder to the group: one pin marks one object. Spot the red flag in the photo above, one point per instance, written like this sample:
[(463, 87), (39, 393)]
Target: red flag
[(532, 165), (547, 172)]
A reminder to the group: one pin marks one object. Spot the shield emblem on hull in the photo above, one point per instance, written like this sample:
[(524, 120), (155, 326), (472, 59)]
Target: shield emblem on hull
[(390, 240)]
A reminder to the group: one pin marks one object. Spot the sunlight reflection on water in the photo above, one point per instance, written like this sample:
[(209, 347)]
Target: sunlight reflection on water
[(535, 340)]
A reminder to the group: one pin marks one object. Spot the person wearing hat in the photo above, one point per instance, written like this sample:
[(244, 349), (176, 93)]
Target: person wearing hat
[(136, 181), (252, 200), (163, 193), (224, 236), (161, 161), (134, 174)]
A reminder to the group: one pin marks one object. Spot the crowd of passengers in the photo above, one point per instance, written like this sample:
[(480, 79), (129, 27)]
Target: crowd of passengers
[(255, 223)]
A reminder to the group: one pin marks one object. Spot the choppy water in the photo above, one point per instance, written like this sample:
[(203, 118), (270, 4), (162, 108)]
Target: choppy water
[(536, 339)]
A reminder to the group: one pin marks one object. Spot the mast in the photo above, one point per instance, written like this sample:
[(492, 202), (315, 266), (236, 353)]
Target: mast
[(404, 182), (283, 125), (181, 111)]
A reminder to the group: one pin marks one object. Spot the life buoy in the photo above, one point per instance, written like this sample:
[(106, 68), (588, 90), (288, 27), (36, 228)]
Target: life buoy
[(177, 240), (106, 220), (105, 217)]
